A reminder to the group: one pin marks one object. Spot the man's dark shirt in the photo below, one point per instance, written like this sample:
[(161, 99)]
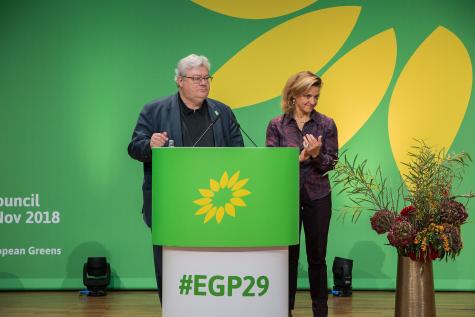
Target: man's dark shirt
[(284, 132), (194, 123)]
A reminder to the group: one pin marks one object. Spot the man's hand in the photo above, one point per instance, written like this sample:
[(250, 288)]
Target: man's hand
[(158, 139)]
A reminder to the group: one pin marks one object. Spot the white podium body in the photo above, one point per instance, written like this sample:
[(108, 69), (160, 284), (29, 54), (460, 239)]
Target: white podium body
[(231, 282)]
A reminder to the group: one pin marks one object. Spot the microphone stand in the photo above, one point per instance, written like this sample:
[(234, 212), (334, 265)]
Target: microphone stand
[(207, 129)]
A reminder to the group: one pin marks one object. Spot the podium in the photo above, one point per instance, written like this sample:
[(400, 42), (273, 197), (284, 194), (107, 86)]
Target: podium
[(225, 218)]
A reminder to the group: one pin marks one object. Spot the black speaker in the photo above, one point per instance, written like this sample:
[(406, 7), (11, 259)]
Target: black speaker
[(342, 276), (96, 275)]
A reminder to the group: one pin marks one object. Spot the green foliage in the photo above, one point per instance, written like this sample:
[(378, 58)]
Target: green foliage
[(366, 190), (430, 179)]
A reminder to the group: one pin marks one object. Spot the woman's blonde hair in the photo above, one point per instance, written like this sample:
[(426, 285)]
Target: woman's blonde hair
[(297, 85)]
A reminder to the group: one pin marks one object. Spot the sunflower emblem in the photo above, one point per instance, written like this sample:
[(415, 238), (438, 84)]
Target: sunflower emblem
[(222, 197)]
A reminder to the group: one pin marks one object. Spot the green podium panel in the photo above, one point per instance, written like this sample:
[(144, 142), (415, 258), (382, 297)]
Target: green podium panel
[(225, 197)]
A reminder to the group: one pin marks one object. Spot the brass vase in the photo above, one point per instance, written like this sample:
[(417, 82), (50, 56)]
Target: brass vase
[(414, 288)]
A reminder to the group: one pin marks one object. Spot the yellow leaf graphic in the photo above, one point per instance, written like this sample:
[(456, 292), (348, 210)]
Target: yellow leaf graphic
[(356, 83), (230, 210), (210, 214), (224, 180), (252, 9), (233, 179), (203, 210), (241, 193), (206, 192), (240, 184), (431, 95), (308, 42), (220, 214), (202, 201), (238, 202), (214, 185)]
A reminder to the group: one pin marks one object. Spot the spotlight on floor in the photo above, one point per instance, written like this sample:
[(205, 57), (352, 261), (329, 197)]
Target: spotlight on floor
[(96, 276), (342, 277)]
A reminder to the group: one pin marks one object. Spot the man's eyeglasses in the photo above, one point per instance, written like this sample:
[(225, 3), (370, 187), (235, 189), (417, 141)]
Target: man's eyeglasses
[(199, 79)]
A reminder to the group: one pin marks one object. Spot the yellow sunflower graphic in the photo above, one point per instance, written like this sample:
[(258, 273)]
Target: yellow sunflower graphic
[(222, 197)]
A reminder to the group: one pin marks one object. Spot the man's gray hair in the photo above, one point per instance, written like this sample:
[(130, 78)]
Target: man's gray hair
[(191, 61)]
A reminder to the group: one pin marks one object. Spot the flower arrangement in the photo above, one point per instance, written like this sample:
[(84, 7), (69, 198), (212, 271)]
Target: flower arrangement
[(428, 227)]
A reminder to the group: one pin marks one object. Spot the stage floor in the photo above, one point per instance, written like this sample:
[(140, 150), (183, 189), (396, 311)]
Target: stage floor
[(145, 303)]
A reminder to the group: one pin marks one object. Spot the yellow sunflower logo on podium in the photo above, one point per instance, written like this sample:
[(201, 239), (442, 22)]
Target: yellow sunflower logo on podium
[(222, 197)]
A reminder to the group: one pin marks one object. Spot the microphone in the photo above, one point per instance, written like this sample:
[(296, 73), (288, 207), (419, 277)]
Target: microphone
[(218, 115), (242, 130)]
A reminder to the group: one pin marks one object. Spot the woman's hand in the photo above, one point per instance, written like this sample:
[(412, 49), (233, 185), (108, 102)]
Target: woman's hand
[(311, 147), (303, 156)]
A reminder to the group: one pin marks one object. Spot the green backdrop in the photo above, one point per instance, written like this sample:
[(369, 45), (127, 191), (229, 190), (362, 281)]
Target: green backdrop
[(74, 76)]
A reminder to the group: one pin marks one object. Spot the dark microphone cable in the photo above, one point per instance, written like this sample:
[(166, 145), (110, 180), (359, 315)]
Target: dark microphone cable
[(242, 130)]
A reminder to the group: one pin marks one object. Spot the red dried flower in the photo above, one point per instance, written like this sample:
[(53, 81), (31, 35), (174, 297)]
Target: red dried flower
[(408, 211), (453, 212), (402, 233), (424, 257), (382, 221), (454, 237)]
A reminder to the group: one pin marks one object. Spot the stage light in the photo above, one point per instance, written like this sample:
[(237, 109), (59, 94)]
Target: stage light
[(96, 275), (342, 276)]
